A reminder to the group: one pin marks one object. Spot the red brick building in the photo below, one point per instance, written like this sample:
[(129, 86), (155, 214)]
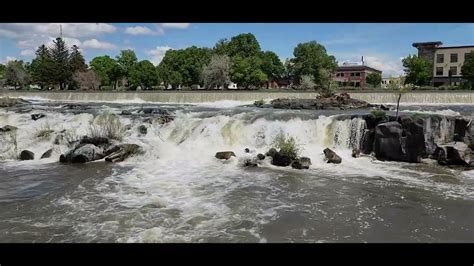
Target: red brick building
[(353, 75)]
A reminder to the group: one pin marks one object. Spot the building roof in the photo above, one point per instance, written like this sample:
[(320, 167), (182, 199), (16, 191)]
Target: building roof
[(416, 44), (454, 47), (357, 68)]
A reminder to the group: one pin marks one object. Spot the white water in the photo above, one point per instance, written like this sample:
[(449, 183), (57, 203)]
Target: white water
[(179, 173)]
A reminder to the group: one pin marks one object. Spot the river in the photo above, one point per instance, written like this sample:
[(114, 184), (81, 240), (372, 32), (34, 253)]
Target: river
[(178, 192)]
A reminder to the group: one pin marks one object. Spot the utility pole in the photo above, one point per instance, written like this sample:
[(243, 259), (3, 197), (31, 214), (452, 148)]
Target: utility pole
[(61, 31)]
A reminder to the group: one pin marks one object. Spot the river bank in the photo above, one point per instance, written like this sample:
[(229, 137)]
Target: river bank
[(421, 97)]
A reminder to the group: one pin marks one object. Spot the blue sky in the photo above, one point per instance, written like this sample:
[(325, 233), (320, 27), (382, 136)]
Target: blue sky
[(382, 44)]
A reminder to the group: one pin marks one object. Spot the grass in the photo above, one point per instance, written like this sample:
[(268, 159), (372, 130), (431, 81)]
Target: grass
[(286, 145), (106, 125), (44, 132)]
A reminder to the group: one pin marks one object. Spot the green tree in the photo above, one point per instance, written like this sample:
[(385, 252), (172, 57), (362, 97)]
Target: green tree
[(243, 45), (41, 67), (307, 82), (311, 58), (108, 70), (467, 69), (144, 74), (16, 75), (272, 65), (419, 71), (60, 72), (374, 78), (217, 72), (2, 71), (127, 60), (76, 60), (246, 71)]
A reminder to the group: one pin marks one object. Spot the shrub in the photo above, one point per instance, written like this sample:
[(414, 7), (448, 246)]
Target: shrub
[(259, 103), (106, 125), (307, 82), (44, 132), (286, 145), (379, 114)]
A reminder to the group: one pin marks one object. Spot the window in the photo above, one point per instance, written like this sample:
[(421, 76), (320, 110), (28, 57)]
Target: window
[(466, 56), (454, 58), (352, 74), (439, 71), (357, 74), (453, 71), (440, 58), (340, 75)]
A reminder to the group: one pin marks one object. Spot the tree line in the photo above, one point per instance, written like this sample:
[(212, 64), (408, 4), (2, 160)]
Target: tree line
[(239, 60)]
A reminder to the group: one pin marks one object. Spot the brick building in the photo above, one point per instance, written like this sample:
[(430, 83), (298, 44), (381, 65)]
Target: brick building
[(353, 75)]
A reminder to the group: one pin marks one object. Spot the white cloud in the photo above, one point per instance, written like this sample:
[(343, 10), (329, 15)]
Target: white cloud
[(158, 53), (8, 59), (140, 30), (388, 65), (27, 52), (96, 44), (175, 25)]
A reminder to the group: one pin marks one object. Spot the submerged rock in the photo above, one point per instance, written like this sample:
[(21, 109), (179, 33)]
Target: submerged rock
[(271, 152), (143, 130), (121, 152), (27, 155), (225, 155), (8, 128), (331, 156), (260, 156), (9, 102), (301, 163), (355, 153), (37, 116), (281, 159), (126, 112), (47, 154)]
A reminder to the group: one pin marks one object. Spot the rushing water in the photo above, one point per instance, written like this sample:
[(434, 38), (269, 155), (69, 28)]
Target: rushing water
[(178, 192)]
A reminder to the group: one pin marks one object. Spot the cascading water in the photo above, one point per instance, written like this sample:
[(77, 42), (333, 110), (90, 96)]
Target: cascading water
[(177, 191)]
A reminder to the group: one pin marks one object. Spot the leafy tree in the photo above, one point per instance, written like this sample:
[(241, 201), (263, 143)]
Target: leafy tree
[(309, 59), (15, 74), (374, 78), (467, 69), (2, 71), (127, 60), (243, 45), (418, 70), (246, 71), (144, 74), (108, 70), (184, 66), (221, 47), (217, 72), (60, 71), (87, 79), (76, 60), (307, 82), (41, 67), (272, 65)]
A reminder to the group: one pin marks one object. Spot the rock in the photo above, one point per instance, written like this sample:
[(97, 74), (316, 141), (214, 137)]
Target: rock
[(247, 150), (143, 130), (154, 111), (271, 152), (161, 119), (453, 153), (260, 156), (301, 163), (384, 107), (355, 153), (121, 152), (8, 128), (97, 141), (126, 112), (342, 101), (47, 154), (82, 153), (37, 116), (27, 155), (331, 156), (112, 149), (280, 159), (9, 102), (402, 141), (250, 163), (225, 155)]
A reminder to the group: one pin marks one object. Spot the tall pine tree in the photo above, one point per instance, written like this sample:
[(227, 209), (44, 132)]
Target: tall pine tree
[(76, 60), (60, 70), (41, 66)]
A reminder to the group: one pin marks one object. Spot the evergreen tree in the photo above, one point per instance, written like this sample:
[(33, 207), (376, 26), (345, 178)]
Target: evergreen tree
[(60, 71), (76, 60), (41, 66)]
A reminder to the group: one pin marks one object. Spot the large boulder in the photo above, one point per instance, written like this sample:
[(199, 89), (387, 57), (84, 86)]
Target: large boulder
[(47, 154), (27, 155), (301, 163), (82, 153), (454, 153), (225, 155), (281, 159), (121, 152), (402, 141), (331, 156)]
